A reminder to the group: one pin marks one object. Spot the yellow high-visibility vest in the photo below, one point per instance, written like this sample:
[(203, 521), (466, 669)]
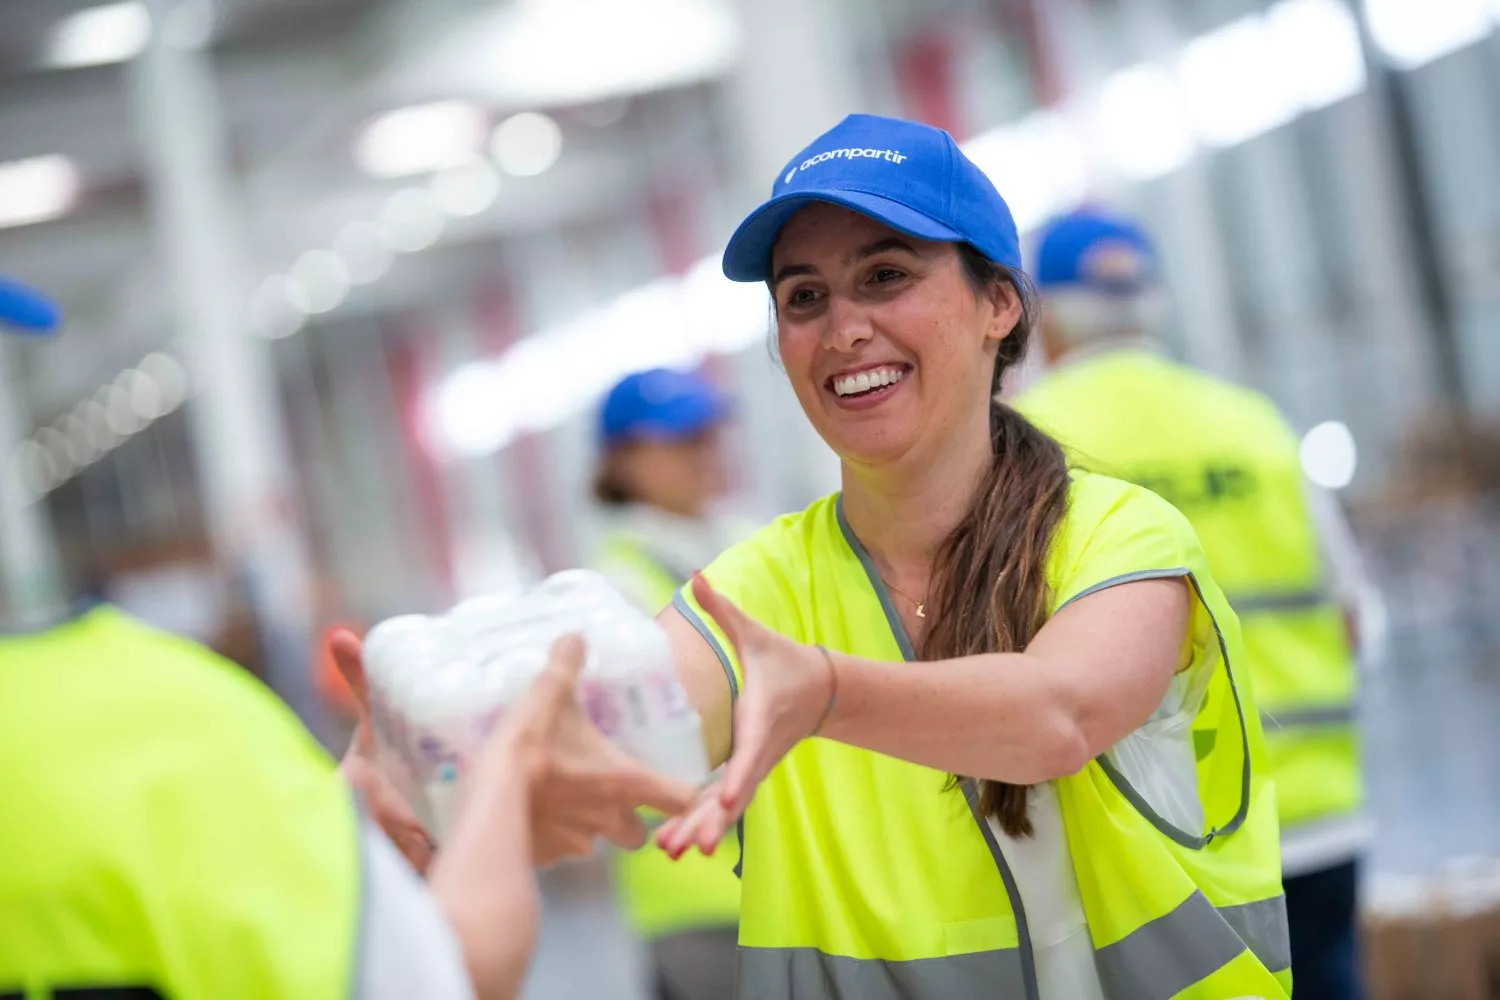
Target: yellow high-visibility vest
[(1226, 458), (661, 896), (135, 847), (864, 876)]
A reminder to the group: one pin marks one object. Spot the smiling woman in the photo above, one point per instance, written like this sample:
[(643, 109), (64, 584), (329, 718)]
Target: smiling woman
[(1064, 799)]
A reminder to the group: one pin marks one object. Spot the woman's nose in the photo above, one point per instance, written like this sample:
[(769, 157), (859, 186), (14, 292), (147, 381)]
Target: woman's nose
[(847, 325)]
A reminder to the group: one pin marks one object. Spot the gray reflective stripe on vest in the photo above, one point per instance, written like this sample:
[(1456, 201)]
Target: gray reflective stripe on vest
[(1166, 956), (1263, 926), (1284, 600), (1320, 717), (808, 974)]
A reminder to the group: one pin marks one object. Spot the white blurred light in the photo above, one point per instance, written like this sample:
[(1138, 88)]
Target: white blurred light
[(56, 443), (95, 420), (1037, 163), (36, 467), (1317, 47), (1415, 32), (1329, 456), (1233, 83), (570, 52), (526, 144), (168, 382), (318, 282), (420, 139), (546, 378), (145, 396), (1141, 124), (82, 449), (123, 420), (112, 33), (37, 189), (411, 220), (364, 249), (272, 312), (466, 190)]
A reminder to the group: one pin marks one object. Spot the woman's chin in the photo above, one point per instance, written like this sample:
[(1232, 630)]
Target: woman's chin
[(870, 448)]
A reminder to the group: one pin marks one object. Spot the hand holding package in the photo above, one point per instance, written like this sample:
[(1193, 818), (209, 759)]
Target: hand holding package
[(439, 684)]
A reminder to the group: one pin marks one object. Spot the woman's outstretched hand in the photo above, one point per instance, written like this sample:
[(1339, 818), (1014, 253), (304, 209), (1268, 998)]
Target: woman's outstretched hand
[(787, 693)]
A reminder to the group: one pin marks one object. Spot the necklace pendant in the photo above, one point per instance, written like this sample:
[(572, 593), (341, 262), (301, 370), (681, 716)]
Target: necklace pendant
[(921, 610)]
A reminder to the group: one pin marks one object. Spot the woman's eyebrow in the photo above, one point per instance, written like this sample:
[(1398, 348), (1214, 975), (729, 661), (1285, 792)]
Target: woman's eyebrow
[(792, 271), (880, 246), (869, 250)]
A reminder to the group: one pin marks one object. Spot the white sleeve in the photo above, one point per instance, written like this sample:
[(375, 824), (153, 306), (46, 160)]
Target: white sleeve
[(406, 947), (1348, 577)]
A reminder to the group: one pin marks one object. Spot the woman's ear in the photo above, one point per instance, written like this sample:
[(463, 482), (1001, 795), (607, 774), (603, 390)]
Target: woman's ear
[(1004, 306)]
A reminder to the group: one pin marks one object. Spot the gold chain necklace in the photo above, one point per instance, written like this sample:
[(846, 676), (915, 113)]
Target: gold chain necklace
[(921, 605)]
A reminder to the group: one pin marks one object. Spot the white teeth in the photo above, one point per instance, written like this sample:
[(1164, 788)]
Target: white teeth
[(867, 380)]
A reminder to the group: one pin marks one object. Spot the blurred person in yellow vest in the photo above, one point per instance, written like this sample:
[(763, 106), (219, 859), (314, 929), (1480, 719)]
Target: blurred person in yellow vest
[(660, 475), (171, 830), (1279, 547)]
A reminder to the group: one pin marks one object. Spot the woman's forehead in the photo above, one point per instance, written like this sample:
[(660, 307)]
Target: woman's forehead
[(822, 228)]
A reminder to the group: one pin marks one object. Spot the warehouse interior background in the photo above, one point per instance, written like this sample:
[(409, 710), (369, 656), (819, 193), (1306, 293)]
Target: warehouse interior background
[(344, 282)]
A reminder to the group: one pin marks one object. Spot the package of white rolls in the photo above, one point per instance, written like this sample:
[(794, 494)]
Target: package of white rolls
[(439, 684)]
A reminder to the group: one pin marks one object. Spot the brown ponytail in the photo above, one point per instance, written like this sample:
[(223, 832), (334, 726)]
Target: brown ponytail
[(989, 582)]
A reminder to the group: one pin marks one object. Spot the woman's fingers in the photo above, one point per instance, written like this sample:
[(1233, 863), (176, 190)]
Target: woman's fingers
[(703, 827), (743, 771)]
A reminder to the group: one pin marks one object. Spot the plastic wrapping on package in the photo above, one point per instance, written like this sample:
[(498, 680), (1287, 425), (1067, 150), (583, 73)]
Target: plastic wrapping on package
[(439, 684)]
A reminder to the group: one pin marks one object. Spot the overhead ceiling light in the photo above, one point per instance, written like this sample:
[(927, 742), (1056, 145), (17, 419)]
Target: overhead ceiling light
[(526, 144), (1415, 33), (36, 467), (570, 52), (1317, 42), (466, 190), (116, 32), (364, 249), (272, 313), (170, 379), (37, 189), (421, 139), (318, 282), (1329, 457), (56, 444), (411, 220), (1038, 163), (1141, 124), (123, 420), (1232, 83)]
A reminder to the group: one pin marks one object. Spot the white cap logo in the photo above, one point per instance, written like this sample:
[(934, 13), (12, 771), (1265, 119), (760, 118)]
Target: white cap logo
[(789, 175)]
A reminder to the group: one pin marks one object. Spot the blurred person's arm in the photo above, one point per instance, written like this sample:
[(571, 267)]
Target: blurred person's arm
[(1364, 608), (546, 785)]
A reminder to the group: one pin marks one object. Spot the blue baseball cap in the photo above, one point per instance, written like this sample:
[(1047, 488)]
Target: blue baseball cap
[(910, 176), (1095, 250), (662, 405), (26, 309)]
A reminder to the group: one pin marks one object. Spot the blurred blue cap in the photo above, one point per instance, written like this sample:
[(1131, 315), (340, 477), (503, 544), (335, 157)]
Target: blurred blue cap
[(26, 309), (1095, 250), (910, 176), (660, 404)]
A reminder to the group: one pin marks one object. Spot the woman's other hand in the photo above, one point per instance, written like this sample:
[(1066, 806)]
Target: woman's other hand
[(361, 768), (788, 690)]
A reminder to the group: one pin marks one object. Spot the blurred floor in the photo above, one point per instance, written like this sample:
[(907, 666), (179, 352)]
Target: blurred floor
[(585, 952)]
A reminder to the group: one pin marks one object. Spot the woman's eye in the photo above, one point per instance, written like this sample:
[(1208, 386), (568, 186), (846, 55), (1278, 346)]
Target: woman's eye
[(801, 297), (885, 275)]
